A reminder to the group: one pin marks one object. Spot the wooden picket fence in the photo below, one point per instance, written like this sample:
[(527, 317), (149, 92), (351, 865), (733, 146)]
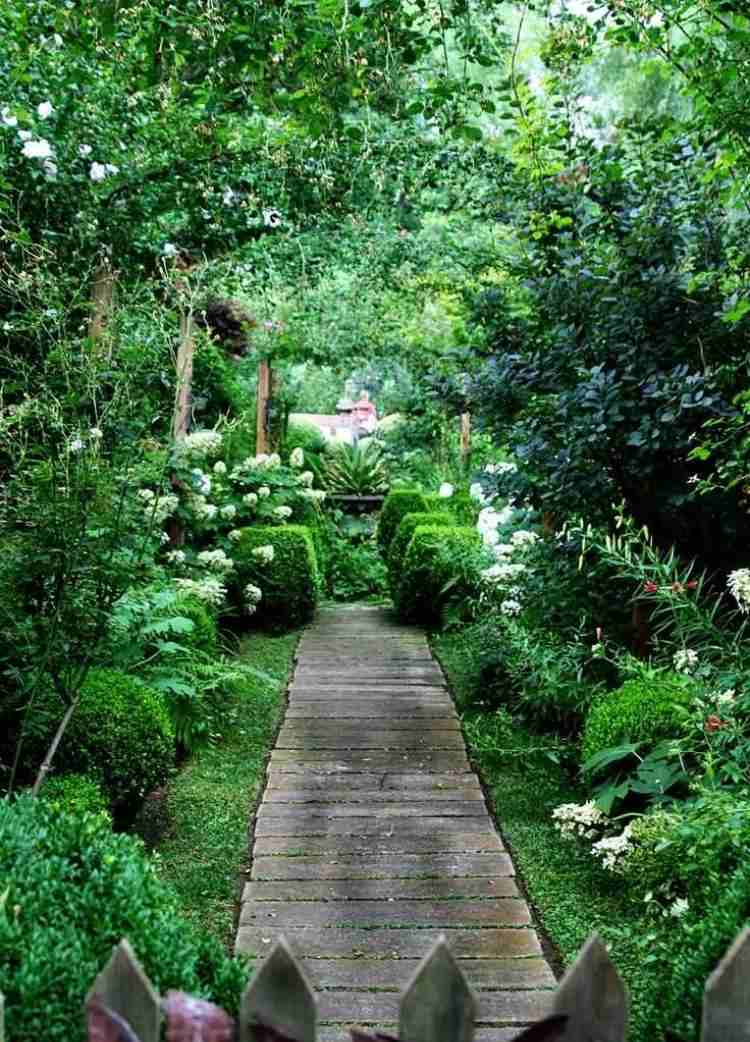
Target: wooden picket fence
[(589, 1005)]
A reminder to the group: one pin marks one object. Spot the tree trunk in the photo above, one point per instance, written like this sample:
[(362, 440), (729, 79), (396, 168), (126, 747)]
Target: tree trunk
[(45, 768), (181, 417)]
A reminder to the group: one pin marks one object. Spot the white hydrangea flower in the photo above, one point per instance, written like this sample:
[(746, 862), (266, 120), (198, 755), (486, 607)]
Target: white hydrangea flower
[(502, 550), (264, 491), (40, 149), (84, 150), (162, 507), (96, 433), (297, 458), (220, 467), (235, 535), (7, 117), (738, 583), (315, 495), (477, 492), (199, 444), (201, 481), (76, 445), (502, 572), (307, 478), (250, 609), (446, 490), (524, 538), (208, 590), (726, 698), (511, 607), (612, 849), (44, 109), (176, 556), (250, 499), (164, 538), (685, 660), (169, 250), (147, 494), (264, 554), (584, 820), (216, 560), (500, 468), (282, 513), (229, 511), (97, 171), (253, 594)]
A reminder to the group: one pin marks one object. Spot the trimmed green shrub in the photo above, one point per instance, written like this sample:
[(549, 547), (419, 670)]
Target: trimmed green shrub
[(75, 793), (646, 709), (428, 568), (121, 734), (396, 506), (406, 529), (73, 890), (290, 582)]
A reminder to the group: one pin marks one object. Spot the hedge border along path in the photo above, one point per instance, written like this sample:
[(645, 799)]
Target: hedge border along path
[(373, 838)]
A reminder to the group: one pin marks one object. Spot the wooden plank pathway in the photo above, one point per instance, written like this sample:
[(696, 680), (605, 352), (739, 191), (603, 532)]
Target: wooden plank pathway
[(373, 838)]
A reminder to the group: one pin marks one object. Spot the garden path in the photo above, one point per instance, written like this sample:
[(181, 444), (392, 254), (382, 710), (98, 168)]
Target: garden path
[(373, 837)]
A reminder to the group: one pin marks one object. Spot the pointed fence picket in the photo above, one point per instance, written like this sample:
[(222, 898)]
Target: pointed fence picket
[(437, 1006)]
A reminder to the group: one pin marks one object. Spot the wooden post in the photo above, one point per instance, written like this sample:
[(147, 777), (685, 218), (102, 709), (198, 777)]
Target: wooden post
[(264, 393), (465, 440), (185, 355), (102, 302), (274, 412)]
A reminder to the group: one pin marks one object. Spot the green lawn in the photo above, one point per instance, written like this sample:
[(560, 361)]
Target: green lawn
[(570, 896), (204, 851)]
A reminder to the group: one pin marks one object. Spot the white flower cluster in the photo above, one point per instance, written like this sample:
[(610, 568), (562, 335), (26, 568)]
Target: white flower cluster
[(612, 849), (264, 554), (253, 594), (201, 481), (229, 512), (726, 698), (523, 538), (307, 478), (511, 607), (738, 584), (264, 491), (235, 535), (210, 591), (216, 561), (499, 469), (250, 499), (583, 820), (101, 171), (679, 908), (201, 510), (158, 507), (263, 461), (685, 660), (490, 520), (297, 458), (200, 444), (176, 556), (446, 490), (316, 495), (477, 493), (503, 572), (220, 467), (282, 513)]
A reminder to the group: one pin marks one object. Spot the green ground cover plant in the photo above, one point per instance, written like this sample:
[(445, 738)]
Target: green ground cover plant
[(199, 823)]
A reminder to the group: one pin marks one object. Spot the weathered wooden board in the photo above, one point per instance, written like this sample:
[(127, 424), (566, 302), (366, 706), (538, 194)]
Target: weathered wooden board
[(381, 866), (292, 915)]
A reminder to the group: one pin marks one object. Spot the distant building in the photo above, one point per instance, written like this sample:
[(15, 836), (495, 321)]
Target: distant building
[(353, 420)]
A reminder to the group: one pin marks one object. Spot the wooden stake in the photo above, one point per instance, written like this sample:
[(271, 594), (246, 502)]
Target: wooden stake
[(264, 393), (102, 302), (465, 439), (185, 354)]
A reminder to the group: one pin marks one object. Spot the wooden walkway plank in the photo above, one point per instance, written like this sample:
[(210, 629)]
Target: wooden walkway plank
[(373, 838)]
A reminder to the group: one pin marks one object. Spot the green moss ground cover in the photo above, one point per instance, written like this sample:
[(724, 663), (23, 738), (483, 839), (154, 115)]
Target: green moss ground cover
[(569, 894), (204, 850)]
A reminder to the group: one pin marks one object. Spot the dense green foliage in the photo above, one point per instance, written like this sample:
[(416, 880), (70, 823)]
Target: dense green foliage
[(120, 734), (290, 576), (428, 572), (76, 794), (395, 508), (645, 710), (400, 543), (78, 889)]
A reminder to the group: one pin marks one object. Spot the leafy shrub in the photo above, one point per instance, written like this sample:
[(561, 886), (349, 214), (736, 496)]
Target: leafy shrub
[(690, 848), (290, 582), (406, 529), (645, 709), (396, 506), (77, 889), (357, 571), (429, 569), (120, 734), (694, 954), (356, 470), (305, 436), (75, 793)]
